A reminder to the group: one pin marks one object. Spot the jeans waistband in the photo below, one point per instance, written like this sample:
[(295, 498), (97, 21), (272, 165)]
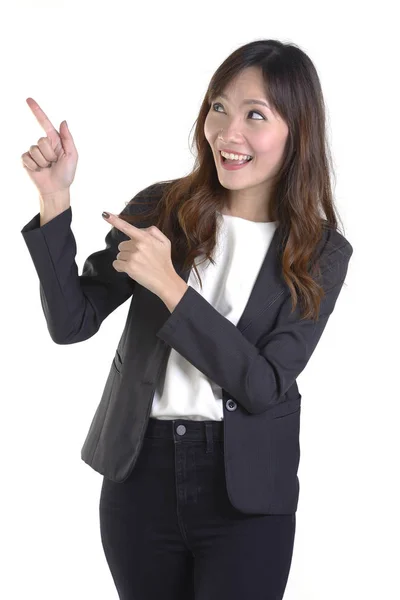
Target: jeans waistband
[(185, 430)]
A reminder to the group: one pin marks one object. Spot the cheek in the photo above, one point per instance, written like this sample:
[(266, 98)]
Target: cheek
[(211, 128), (268, 149), (261, 143)]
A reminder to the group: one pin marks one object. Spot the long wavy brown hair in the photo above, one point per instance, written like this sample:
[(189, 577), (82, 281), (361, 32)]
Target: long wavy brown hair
[(301, 198)]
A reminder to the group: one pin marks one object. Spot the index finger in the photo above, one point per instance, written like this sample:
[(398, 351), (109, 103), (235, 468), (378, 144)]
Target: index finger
[(128, 228), (42, 118)]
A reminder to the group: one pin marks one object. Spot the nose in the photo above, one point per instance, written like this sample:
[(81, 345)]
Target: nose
[(230, 136), (231, 132)]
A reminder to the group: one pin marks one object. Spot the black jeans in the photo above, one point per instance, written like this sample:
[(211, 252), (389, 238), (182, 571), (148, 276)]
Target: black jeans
[(170, 532)]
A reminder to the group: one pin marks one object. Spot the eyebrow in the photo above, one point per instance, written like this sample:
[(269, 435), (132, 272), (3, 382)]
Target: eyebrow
[(248, 101)]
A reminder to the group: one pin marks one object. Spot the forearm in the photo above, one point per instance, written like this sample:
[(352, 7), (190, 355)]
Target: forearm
[(257, 376), (51, 205), (74, 306)]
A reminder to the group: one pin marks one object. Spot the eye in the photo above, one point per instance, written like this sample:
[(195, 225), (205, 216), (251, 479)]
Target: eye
[(251, 111)]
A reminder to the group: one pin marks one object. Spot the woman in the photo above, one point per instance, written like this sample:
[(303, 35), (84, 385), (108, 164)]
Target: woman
[(200, 484)]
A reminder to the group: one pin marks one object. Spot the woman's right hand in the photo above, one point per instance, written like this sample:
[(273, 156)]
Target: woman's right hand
[(51, 163)]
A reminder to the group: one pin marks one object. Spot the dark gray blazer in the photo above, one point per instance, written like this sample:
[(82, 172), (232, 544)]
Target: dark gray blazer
[(256, 363)]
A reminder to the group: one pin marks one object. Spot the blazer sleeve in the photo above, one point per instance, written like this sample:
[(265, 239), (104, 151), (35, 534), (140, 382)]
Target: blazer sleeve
[(256, 376), (76, 305)]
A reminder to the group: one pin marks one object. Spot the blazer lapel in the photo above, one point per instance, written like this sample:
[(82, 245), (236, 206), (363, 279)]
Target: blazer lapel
[(269, 284)]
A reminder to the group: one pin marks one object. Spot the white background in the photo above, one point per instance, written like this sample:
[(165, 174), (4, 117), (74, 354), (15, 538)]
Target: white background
[(129, 78)]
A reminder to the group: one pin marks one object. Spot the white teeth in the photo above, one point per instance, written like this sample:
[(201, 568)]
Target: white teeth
[(235, 156)]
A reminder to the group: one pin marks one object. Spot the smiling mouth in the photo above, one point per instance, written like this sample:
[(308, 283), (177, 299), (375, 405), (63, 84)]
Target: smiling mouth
[(223, 159), (233, 166)]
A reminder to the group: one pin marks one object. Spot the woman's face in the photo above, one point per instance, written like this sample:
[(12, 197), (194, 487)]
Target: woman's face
[(247, 128)]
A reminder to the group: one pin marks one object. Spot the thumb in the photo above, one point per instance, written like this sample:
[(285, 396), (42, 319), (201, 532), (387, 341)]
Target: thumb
[(66, 137)]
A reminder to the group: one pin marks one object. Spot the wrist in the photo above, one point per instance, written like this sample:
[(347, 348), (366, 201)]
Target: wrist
[(173, 292), (60, 198), (51, 205)]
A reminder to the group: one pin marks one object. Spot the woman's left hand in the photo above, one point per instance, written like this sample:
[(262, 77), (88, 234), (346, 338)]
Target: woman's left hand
[(146, 257)]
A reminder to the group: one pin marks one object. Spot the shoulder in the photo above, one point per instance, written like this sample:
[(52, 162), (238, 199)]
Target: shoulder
[(153, 191), (145, 199), (333, 247)]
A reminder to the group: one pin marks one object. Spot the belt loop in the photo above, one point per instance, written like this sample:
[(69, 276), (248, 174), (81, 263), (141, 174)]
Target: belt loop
[(209, 437)]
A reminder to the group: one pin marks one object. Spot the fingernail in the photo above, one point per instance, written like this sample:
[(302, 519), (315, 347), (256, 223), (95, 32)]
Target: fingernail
[(105, 214)]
